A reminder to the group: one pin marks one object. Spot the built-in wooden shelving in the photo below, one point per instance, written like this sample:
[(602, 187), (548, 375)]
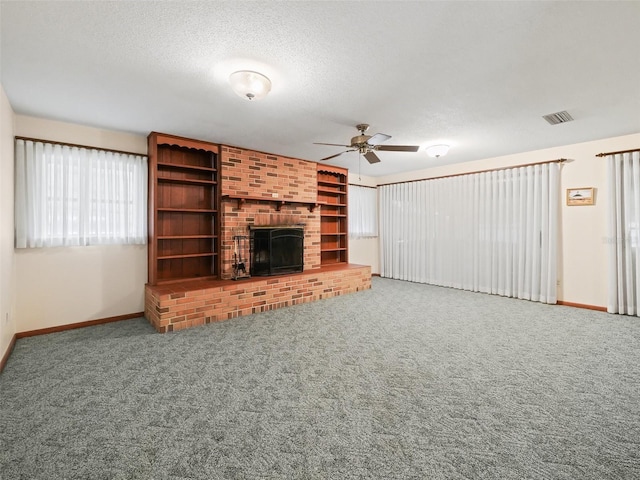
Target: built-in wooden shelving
[(183, 209), (332, 198)]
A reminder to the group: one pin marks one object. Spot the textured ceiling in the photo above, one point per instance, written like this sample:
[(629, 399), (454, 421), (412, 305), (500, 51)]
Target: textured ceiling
[(476, 75)]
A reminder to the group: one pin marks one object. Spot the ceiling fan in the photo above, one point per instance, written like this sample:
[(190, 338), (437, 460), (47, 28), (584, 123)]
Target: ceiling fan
[(368, 144)]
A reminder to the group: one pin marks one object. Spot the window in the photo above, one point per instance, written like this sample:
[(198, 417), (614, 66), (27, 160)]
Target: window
[(494, 232), (69, 195), (363, 212), (623, 182)]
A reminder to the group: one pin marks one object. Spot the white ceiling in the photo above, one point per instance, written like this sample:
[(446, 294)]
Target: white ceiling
[(476, 75)]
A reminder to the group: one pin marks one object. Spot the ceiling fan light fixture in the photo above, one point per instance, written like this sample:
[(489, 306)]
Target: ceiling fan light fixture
[(436, 151), (250, 85), (367, 145)]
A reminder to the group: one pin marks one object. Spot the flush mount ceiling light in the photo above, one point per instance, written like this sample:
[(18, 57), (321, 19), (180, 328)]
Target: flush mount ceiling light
[(250, 85), (436, 151)]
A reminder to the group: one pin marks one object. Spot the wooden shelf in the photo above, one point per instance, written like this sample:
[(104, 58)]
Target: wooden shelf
[(335, 215), (241, 199), (330, 182), (177, 166), (186, 237), (333, 249), (164, 139), (330, 192), (332, 258), (188, 255), (329, 204), (187, 210), (333, 234), (180, 279), (187, 181)]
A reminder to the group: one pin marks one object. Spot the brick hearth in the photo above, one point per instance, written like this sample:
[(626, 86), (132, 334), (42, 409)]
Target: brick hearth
[(187, 304)]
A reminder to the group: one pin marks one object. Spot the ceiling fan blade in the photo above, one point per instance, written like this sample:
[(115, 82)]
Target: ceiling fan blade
[(398, 148), (378, 138), (332, 144), (334, 156), (371, 157)]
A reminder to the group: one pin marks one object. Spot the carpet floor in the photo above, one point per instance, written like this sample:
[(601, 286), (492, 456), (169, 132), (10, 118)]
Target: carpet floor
[(399, 382)]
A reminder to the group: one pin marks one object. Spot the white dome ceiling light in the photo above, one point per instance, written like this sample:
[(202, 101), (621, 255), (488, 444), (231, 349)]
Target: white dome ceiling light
[(436, 151), (250, 85)]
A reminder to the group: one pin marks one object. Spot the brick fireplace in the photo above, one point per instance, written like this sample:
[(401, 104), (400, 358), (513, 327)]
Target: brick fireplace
[(286, 189), (257, 190)]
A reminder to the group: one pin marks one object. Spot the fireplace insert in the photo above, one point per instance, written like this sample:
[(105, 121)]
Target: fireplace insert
[(276, 250)]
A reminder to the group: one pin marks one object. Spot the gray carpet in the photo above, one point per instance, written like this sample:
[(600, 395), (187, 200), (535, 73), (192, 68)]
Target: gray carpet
[(402, 381)]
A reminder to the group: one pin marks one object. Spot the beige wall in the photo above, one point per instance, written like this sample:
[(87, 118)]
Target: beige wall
[(55, 131), (64, 285), (582, 265), (7, 271)]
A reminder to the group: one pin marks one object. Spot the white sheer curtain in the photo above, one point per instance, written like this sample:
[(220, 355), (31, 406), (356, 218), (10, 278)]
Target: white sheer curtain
[(623, 181), (493, 232), (363, 212), (78, 196)]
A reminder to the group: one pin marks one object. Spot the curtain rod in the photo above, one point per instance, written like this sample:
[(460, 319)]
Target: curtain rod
[(30, 139), (559, 160), (616, 153), (358, 185)]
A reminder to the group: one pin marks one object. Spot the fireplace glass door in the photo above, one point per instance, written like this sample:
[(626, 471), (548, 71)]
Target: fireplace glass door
[(276, 251)]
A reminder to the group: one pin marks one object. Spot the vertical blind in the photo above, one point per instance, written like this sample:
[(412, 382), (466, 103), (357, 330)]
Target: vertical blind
[(494, 232), (363, 212), (68, 195), (623, 181)]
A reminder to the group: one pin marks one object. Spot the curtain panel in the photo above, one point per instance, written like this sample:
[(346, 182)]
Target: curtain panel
[(363, 212), (493, 232), (68, 195), (623, 182)]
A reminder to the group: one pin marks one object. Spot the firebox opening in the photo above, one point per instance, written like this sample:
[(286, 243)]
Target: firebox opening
[(277, 250)]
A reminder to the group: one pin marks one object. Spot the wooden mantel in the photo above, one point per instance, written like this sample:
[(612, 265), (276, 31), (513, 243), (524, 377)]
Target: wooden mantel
[(278, 202)]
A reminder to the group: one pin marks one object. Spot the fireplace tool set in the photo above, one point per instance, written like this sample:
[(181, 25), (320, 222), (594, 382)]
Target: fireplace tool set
[(239, 266)]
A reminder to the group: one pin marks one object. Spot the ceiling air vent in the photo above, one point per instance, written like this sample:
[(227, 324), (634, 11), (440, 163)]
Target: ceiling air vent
[(559, 117)]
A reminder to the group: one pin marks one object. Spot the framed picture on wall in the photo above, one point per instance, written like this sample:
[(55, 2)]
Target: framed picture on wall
[(580, 196)]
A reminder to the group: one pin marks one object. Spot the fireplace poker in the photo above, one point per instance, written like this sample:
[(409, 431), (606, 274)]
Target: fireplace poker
[(241, 266), (238, 263)]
